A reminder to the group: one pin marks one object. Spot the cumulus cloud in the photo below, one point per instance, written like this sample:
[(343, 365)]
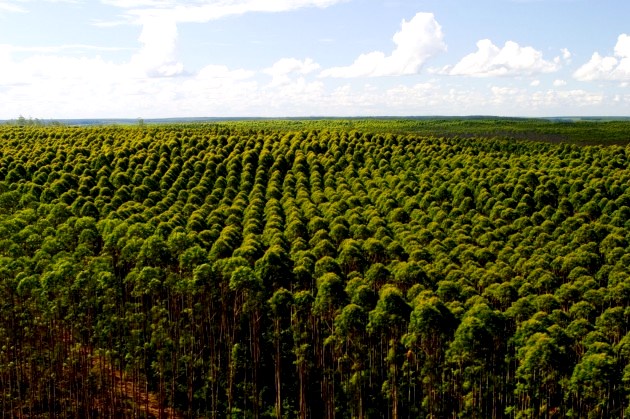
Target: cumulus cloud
[(281, 70), (511, 60), (159, 42), (559, 83), (616, 68), (418, 40)]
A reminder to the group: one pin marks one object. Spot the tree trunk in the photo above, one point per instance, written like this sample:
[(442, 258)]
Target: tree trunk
[(278, 377)]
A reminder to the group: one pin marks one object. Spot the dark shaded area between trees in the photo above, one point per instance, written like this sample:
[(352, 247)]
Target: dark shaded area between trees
[(262, 270)]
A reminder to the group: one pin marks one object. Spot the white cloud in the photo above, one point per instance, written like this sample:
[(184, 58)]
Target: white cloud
[(520, 102), (511, 60), (41, 69), (69, 81), (221, 72), (55, 49), (15, 6), (49, 86), (202, 11), (415, 96), (622, 49), (159, 42), (615, 67), (56, 82), (281, 70), (566, 54), (416, 42), (300, 95), (621, 99), (5, 55), (598, 68), (559, 83), (504, 91), (46, 86), (11, 6), (159, 19), (137, 3), (566, 99)]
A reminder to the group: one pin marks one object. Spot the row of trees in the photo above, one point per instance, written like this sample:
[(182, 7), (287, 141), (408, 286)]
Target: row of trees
[(222, 270)]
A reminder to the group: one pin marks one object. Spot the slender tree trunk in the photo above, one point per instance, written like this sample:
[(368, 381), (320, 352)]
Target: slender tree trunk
[(256, 358), (394, 385), (278, 377), (303, 391)]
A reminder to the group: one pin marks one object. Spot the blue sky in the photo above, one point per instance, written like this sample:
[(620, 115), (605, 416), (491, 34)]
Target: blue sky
[(170, 58)]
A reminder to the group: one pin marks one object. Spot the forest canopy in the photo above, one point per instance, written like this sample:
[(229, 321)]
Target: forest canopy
[(346, 269)]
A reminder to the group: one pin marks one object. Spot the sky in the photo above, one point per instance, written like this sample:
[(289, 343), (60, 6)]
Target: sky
[(298, 58)]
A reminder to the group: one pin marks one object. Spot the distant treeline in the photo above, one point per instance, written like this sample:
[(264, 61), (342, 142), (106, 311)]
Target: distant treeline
[(581, 131), (31, 122), (585, 131)]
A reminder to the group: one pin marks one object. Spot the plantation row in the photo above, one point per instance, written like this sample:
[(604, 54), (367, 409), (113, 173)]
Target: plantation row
[(246, 271)]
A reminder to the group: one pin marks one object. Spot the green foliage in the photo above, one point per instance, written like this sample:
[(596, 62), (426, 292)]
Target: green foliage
[(359, 268)]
